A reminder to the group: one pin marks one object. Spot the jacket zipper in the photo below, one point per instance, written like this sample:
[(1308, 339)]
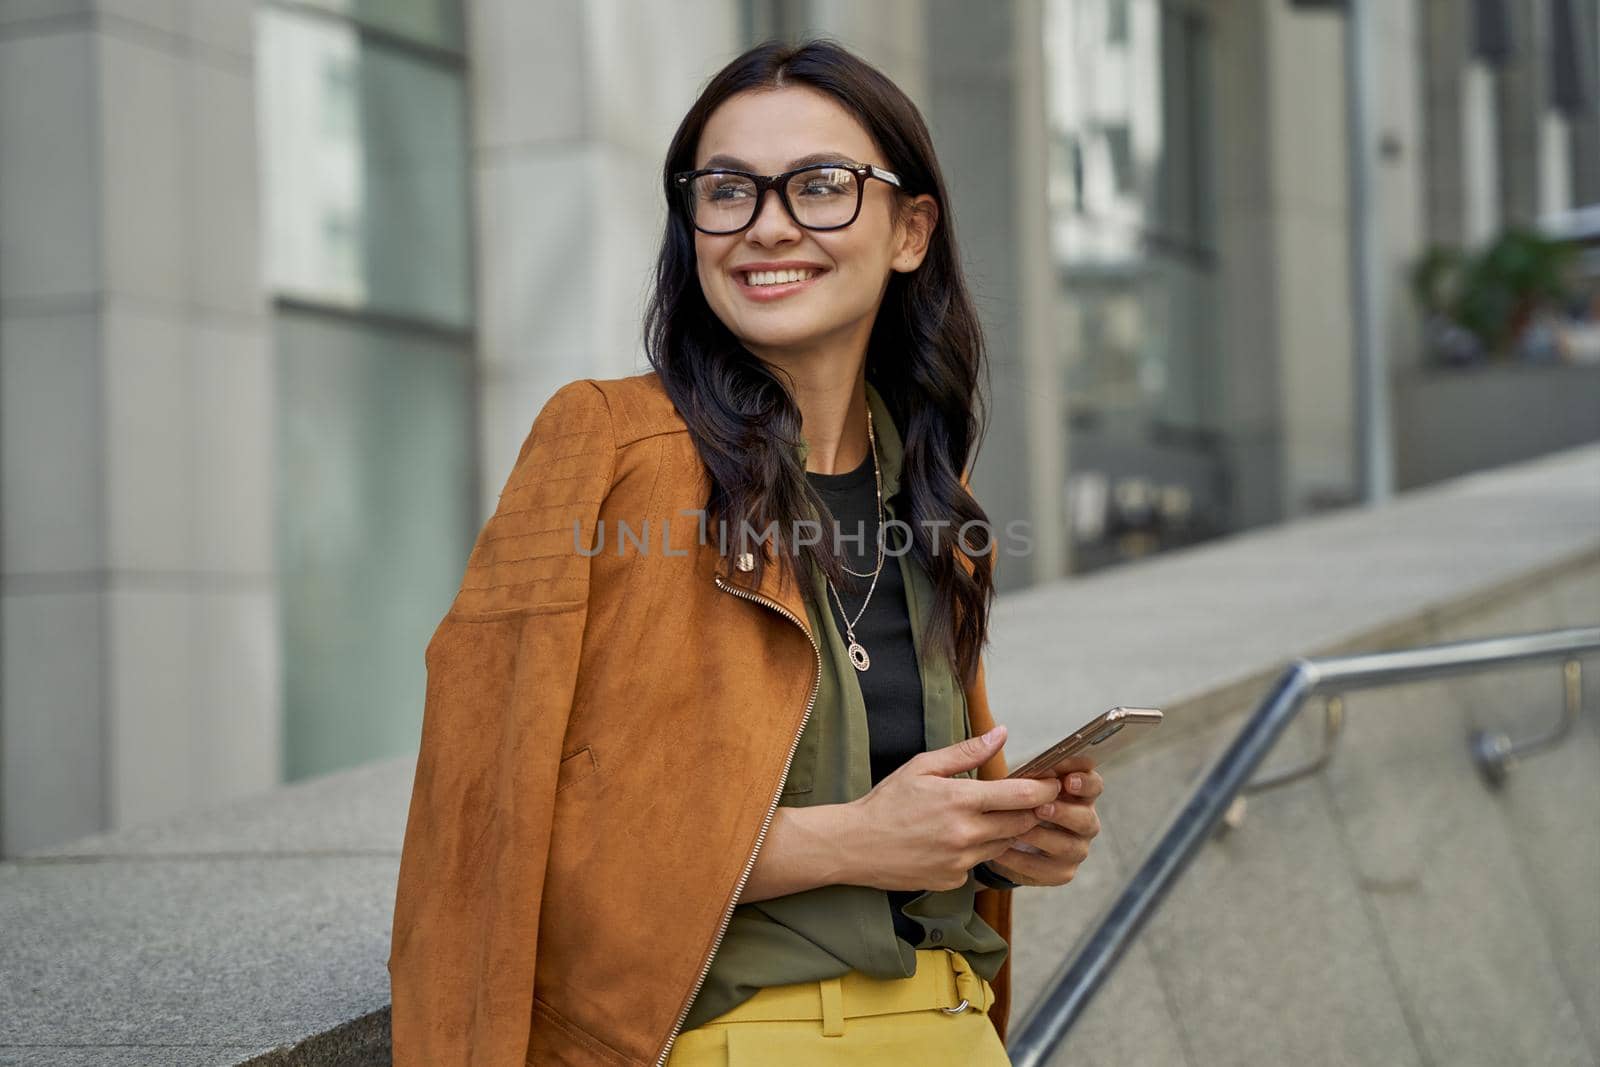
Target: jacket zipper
[(727, 916)]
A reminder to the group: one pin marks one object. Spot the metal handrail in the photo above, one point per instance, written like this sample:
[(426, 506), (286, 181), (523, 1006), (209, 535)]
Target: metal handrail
[(1102, 946)]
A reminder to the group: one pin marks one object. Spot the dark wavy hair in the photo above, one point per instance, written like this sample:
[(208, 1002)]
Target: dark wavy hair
[(925, 356)]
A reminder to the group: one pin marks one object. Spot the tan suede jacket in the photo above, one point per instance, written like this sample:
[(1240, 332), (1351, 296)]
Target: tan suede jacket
[(604, 740)]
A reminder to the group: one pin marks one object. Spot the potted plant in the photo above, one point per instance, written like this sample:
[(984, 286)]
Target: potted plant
[(1479, 305)]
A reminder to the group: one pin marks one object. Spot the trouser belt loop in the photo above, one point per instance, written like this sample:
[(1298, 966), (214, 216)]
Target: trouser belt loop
[(832, 1007), (969, 986)]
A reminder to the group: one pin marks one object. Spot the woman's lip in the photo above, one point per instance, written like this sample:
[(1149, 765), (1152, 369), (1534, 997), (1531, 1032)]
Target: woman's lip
[(773, 292)]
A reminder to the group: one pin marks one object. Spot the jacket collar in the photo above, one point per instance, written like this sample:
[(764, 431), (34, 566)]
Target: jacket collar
[(891, 450), (779, 587)]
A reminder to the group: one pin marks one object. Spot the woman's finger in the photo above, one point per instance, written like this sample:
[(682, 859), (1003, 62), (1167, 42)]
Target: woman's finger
[(1080, 762), (1055, 864), (1074, 819), (1084, 785)]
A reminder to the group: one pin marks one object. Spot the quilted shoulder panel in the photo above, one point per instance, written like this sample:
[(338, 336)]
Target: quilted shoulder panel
[(529, 556)]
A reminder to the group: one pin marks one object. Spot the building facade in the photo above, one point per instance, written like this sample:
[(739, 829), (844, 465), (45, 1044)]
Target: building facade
[(283, 284)]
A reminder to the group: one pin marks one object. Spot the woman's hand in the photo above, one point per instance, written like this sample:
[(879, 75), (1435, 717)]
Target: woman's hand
[(1063, 837), (919, 828)]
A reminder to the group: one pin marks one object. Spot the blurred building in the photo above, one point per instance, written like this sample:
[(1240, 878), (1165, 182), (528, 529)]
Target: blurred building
[(283, 284)]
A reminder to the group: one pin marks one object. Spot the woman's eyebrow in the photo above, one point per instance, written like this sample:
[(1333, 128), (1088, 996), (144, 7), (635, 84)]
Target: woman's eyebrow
[(721, 160)]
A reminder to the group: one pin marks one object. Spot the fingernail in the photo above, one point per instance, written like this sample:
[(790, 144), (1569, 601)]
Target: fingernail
[(992, 734), (1047, 809), (1075, 783)]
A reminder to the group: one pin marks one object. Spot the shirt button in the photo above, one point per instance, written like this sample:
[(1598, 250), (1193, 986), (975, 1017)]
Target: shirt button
[(936, 936)]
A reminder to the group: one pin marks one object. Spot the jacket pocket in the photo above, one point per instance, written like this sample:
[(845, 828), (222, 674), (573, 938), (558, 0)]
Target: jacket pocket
[(576, 767)]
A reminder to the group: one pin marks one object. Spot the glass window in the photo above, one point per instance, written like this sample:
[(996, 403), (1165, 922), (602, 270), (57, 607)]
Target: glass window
[(433, 22), (366, 183), (1116, 21), (367, 249), (1119, 145), (1132, 234), (376, 498)]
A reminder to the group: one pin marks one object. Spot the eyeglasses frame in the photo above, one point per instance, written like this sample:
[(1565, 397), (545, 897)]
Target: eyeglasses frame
[(779, 184)]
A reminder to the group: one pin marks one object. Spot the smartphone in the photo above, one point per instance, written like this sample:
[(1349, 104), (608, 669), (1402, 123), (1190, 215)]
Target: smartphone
[(1101, 737)]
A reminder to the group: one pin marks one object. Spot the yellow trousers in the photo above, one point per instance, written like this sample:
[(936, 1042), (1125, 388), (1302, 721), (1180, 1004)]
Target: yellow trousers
[(857, 1021)]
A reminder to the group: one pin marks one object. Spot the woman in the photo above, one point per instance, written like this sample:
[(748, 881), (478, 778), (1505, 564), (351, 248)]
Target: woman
[(695, 785)]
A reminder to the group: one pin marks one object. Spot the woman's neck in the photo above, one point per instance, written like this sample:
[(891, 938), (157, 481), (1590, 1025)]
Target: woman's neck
[(829, 387), (834, 424)]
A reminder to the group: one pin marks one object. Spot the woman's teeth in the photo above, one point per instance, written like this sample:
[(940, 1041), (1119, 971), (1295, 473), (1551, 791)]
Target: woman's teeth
[(776, 277)]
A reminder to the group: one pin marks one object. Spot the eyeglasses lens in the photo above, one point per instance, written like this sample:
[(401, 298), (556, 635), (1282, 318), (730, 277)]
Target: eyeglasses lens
[(821, 197)]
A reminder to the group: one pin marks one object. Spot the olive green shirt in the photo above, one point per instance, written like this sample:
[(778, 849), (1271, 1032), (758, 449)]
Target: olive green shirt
[(833, 929)]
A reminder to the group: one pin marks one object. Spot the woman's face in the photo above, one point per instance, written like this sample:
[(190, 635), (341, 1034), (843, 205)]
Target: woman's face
[(771, 131)]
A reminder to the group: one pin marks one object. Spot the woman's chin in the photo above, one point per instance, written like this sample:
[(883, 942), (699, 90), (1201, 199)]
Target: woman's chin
[(775, 338)]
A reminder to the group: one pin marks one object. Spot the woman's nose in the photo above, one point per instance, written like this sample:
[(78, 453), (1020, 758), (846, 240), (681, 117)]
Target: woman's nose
[(772, 220)]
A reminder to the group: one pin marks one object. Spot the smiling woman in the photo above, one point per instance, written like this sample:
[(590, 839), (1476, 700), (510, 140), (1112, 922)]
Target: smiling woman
[(846, 275), (744, 801)]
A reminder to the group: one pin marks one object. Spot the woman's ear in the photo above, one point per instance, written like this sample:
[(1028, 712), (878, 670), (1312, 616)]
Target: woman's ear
[(913, 231)]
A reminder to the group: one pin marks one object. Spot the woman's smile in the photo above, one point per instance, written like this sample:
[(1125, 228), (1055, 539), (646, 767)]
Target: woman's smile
[(767, 285)]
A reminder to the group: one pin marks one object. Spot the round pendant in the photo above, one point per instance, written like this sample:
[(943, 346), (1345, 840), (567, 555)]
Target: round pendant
[(858, 657)]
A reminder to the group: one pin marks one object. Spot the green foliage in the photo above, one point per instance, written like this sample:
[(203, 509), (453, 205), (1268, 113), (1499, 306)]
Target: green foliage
[(1492, 294)]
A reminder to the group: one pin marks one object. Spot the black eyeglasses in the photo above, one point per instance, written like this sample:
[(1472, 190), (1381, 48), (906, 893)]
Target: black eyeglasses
[(823, 196)]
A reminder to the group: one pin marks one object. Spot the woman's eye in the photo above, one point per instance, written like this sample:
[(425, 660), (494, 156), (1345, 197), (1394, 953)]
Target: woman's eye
[(729, 192), (822, 188)]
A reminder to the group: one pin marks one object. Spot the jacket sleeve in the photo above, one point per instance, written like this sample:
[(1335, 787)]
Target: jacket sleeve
[(992, 905), (501, 671)]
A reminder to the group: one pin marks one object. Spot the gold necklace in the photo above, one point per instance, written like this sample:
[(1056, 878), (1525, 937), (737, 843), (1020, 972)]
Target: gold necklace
[(877, 478), (858, 655)]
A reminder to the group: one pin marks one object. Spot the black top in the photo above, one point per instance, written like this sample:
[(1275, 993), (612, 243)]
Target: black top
[(891, 687)]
